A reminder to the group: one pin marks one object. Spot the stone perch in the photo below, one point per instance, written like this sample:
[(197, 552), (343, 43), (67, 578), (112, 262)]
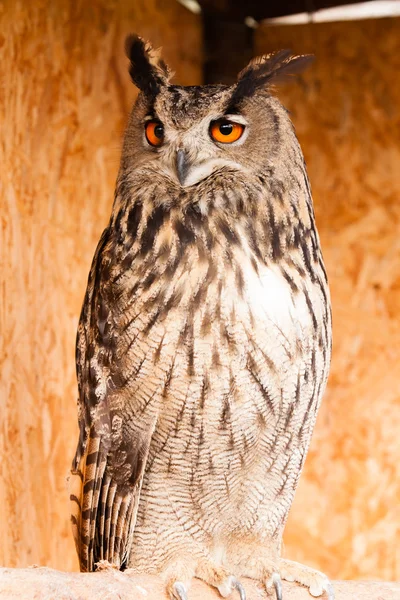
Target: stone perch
[(42, 583)]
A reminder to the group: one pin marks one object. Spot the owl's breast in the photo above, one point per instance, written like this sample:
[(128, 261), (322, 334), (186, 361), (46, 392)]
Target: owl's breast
[(280, 310), (215, 335), (231, 359), (267, 302)]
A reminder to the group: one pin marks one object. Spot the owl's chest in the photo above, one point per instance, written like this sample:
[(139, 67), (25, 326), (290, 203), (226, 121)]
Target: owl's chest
[(267, 302), (203, 340), (200, 323), (268, 308)]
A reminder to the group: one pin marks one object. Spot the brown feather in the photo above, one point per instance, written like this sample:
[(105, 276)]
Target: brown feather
[(270, 69), (147, 69)]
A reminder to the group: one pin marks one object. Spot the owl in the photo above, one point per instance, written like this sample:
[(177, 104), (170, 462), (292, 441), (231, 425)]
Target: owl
[(204, 340)]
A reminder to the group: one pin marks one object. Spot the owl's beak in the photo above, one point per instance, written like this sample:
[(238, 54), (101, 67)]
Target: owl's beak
[(182, 165)]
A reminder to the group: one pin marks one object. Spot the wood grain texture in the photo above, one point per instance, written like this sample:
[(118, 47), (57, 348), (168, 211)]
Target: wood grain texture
[(345, 518), (48, 584), (65, 96)]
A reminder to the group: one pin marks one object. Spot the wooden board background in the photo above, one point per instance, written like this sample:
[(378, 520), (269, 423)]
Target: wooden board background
[(64, 99), (346, 515)]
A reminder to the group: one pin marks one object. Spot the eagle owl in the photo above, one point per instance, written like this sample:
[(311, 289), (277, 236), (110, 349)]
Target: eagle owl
[(204, 340)]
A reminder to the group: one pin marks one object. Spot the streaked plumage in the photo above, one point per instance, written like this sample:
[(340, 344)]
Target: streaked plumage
[(204, 341)]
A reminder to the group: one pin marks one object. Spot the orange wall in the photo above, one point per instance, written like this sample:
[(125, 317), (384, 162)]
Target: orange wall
[(65, 95), (346, 515)]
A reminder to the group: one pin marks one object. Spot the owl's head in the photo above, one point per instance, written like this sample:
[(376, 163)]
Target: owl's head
[(188, 134)]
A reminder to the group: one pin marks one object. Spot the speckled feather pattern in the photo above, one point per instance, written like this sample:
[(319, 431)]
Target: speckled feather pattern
[(203, 352)]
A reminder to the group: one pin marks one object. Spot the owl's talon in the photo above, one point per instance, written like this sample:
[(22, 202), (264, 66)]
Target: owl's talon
[(329, 592), (228, 585), (276, 580), (238, 586), (179, 591)]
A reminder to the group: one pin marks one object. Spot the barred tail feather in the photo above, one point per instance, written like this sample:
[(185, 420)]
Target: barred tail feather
[(85, 484), (103, 510)]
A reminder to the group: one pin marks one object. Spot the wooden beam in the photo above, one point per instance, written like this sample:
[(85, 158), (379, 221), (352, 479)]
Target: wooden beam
[(260, 9), (228, 47)]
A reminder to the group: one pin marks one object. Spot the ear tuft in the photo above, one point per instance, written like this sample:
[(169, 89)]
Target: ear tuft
[(267, 70), (147, 69)]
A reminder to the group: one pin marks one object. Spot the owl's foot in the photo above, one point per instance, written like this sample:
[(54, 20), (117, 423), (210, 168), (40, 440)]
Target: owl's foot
[(178, 576), (264, 564), (316, 582), (181, 573), (220, 578)]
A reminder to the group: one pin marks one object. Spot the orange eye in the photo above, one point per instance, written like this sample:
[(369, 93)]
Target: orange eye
[(154, 131), (225, 131)]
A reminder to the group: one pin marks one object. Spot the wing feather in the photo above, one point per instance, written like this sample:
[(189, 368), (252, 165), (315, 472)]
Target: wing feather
[(104, 488)]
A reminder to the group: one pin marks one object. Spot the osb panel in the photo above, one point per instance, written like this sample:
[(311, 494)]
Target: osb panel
[(346, 516), (64, 99)]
